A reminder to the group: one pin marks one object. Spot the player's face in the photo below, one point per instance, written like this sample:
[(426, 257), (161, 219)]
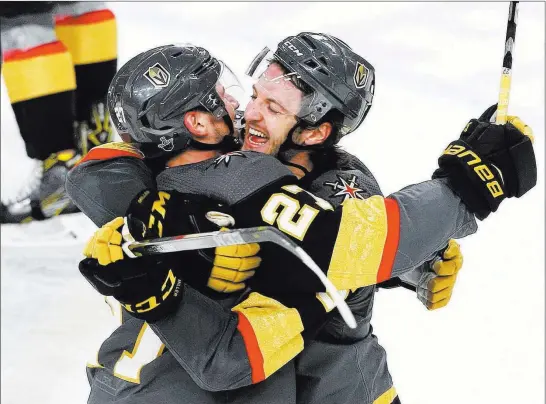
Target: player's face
[(270, 114)]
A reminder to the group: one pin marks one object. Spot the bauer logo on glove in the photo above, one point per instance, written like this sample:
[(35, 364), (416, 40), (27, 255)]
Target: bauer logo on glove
[(472, 159)]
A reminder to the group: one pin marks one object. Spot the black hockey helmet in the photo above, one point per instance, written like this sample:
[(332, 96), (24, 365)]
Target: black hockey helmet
[(150, 94), (338, 78)]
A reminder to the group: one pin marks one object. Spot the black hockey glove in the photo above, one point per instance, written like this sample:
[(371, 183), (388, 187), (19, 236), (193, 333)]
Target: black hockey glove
[(489, 163), (150, 287), (173, 213)]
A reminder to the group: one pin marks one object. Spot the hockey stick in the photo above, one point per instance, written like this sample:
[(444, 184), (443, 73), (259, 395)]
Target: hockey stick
[(214, 239), (506, 77)]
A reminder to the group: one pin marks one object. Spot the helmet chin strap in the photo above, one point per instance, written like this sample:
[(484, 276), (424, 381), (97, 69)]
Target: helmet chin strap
[(228, 143), (305, 171)]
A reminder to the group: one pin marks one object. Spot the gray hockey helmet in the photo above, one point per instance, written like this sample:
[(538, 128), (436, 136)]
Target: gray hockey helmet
[(339, 78), (150, 94)]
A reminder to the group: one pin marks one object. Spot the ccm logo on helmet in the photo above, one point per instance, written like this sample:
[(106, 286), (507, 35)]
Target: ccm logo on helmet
[(293, 48), (471, 158)]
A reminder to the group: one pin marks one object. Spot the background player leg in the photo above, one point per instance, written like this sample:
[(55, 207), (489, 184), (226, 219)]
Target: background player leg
[(76, 59), (88, 30), (41, 84)]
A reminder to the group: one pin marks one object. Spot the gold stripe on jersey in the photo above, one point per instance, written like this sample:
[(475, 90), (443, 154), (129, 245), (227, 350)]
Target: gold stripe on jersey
[(90, 38), (361, 243), (271, 332), (38, 72), (387, 397)]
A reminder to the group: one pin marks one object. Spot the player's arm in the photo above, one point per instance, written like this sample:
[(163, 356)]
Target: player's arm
[(432, 281), (250, 341), (222, 344), (106, 180), (362, 243), (369, 241)]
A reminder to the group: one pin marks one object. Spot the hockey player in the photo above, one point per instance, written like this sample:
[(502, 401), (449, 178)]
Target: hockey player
[(176, 352), (58, 60)]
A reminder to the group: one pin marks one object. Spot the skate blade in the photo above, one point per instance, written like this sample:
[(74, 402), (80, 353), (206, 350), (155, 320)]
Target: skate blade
[(64, 230)]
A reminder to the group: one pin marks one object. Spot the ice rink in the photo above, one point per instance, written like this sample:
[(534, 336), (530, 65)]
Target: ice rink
[(437, 65)]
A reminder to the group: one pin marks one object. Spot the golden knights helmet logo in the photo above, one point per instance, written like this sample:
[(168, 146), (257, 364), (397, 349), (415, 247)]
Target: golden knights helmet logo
[(158, 76), (361, 75)]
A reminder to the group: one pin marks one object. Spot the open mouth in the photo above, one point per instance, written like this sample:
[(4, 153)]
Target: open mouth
[(256, 138)]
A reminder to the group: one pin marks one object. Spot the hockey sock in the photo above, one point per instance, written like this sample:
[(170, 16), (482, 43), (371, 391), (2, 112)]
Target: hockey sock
[(91, 40), (40, 82)]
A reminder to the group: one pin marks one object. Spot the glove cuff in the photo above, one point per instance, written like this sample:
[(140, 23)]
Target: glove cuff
[(524, 175)]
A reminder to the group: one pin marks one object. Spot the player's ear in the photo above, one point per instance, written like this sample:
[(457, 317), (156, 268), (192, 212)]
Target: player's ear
[(317, 135), (197, 123)]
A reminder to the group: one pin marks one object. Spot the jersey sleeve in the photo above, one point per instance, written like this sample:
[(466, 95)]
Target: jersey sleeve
[(225, 349), (355, 180), (106, 180), (361, 243)]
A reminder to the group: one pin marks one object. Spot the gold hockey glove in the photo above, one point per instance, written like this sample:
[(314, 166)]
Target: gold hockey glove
[(105, 244), (233, 265), (436, 286)]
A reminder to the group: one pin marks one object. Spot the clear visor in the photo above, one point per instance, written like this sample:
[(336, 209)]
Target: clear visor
[(284, 92), (229, 89), (228, 86)]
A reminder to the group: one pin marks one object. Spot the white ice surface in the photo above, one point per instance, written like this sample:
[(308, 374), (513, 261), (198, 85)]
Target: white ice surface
[(438, 64)]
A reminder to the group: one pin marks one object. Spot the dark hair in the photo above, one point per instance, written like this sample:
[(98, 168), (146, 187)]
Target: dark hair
[(331, 157)]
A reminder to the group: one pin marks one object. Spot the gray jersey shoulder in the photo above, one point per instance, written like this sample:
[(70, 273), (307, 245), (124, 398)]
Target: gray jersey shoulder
[(103, 189), (228, 178)]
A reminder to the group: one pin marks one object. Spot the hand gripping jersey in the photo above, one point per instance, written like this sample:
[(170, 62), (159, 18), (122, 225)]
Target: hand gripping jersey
[(222, 349)]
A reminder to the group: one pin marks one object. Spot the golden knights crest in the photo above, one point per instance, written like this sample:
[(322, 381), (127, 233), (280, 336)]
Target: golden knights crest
[(158, 76), (361, 75)]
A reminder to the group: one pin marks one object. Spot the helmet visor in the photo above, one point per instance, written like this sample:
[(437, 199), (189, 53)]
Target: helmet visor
[(229, 90)]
